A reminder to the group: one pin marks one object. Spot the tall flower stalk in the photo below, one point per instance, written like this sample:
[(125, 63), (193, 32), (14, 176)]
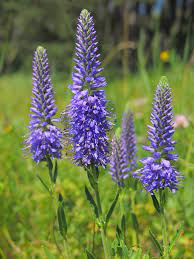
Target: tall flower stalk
[(44, 140), (128, 140), (122, 164), (158, 172), (88, 113)]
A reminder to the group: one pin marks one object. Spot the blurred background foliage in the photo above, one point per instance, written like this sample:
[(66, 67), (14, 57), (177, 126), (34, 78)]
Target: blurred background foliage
[(121, 25)]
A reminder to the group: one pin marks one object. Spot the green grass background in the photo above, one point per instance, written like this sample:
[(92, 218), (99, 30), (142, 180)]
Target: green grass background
[(25, 211)]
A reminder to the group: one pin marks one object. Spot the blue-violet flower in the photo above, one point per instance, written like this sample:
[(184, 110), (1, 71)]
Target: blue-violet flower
[(87, 112), (118, 163), (128, 139), (158, 171), (44, 137)]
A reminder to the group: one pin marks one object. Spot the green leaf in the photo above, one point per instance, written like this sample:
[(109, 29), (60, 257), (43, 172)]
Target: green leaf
[(62, 219), (43, 183), (48, 253), (92, 179), (61, 200), (55, 174), (156, 203), (89, 255), (91, 201), (156, 243), (123, 224), (134, 221), (50, 167), (118, 232), (175, 237), (111, 209)]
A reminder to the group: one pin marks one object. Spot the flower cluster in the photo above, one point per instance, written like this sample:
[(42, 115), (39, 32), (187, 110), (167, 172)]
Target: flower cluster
[(124, 149), (128, 139), (88, 112), (118, 163), (158, 171), (44, 137)]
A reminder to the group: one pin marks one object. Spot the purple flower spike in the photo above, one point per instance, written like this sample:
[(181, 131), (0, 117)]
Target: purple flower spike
[(118, 164), (88, 112), (158, 171), (44, 137), (128, 139)]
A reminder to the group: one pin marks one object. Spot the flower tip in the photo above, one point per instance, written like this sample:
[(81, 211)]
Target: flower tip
[(84, 13), (163, 81), (40, 49)]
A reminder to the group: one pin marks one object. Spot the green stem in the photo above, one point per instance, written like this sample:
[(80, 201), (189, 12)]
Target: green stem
[(102, 229), (105, 244), (66, 249), (54, 202), (164, 226), (135, 231)]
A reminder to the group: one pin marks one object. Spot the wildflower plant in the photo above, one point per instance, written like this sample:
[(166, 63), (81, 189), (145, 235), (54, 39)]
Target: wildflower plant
[(122, 164), (158, 172), (123, 158), (89, 117), (88, 113), (44, 141), (128, 140)]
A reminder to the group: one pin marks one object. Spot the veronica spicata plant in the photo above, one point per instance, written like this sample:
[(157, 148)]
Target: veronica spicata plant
[(158, 172), (44, 138), (128, 139), (123, 158), (122, 163), (44, 141), (89, 117)]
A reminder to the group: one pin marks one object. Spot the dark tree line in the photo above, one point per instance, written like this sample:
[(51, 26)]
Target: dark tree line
[(24, 24)]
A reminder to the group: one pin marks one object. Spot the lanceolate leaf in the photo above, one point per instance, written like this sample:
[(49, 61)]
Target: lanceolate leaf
[(43, 183), (62, 220), (55, 172), (92, 179), (50, 167), (156, 203), (91, 201), (111, 209), (156, 243), (123, 224), (175, 237), (134, 221)]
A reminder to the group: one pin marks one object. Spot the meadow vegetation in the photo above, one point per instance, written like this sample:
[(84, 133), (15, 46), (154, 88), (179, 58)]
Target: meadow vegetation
[(26, 216)]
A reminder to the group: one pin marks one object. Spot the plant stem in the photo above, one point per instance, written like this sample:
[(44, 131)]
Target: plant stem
[(66, 249), (102, 229), (54, 202), (135, 230), (164, 226), (105, 244)]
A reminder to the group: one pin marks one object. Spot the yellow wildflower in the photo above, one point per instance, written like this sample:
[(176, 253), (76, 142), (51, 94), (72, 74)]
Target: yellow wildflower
[(164, 55)]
